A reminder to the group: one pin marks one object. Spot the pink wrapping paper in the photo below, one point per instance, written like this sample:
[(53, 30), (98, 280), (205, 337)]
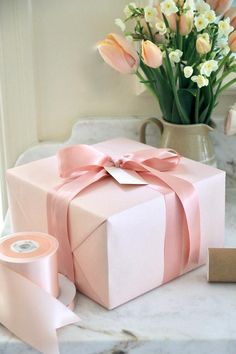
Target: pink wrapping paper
[(118, 232)]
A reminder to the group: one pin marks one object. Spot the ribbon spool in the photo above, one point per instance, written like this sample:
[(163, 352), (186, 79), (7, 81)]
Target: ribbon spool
[(35, 299), (34, 255)]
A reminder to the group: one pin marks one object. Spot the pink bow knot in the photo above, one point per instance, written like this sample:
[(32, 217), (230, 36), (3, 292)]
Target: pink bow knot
[(74, 160)]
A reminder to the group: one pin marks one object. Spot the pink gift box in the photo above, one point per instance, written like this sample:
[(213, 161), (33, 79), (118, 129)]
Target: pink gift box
[(118, 232)]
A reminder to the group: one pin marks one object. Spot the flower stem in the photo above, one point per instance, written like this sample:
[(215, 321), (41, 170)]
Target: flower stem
[(182, 114), (223, 77), (197, 105), (230, 83), (150, 32), (148, 85), (223, 61)]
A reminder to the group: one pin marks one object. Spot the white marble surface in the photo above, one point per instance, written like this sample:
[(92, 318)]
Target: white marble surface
[(90, 131), (185, 316)]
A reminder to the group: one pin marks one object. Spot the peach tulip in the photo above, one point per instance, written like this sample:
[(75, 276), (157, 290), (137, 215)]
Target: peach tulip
[(158, 37), (159, 13), (172, 21), (203, 46), (231, 13), (185, 23), (232, 41), (119, 53), (151, 54), (220, 6)]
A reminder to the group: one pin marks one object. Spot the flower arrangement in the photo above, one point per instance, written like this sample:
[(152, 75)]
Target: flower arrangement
[(182, 50)]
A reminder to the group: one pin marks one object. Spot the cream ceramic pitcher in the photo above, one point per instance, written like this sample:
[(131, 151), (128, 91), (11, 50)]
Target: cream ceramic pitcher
[(192, 140)]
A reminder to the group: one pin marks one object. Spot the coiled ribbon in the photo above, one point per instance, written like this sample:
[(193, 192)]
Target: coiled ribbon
[(81, 166), (28, 304)]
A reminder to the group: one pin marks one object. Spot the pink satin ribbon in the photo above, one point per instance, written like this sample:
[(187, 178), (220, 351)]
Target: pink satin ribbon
[(28, 307), (81, 165)]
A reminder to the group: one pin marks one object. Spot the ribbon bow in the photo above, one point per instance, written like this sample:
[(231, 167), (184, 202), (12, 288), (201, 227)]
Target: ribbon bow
[(82, 165)]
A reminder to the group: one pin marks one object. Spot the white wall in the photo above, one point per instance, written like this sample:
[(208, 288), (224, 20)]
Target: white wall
[(51, 73), (71, 79)]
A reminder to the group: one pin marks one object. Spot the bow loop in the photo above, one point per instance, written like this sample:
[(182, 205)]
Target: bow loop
[(74, 160), (77, 159), (159, 159)]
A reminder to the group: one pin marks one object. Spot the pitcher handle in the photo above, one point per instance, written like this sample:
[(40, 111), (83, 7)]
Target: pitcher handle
[(154, 120)]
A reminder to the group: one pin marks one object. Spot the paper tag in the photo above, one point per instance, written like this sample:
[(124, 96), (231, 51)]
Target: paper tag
[(124, 176)]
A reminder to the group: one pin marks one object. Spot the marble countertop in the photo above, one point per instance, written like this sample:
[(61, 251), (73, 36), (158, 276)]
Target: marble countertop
[(186, 316)]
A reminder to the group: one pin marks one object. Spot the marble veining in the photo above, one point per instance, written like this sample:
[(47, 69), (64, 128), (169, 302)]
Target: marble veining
[(185, 316), (91, 131)]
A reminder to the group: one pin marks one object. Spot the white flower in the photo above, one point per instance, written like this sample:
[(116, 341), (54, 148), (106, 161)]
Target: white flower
[(201, 22), (200, 80), (190, 5), (225, 50), (210, 16), (208, 67), (188, 71), (168, 7), (120, 24), (202, 7), (150, 14), (222, 43), (224, 28), (161, 27), (128, 9), (175, 56)]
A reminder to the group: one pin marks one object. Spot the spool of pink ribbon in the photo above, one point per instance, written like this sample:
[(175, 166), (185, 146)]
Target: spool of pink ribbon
[(35, 299)]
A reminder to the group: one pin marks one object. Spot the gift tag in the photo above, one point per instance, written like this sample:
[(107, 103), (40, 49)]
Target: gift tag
[(124, 176)]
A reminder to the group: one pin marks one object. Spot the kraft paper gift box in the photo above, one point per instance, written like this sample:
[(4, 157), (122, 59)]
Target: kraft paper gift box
[(118, 232)]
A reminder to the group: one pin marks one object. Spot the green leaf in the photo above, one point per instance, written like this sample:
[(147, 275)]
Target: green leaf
[(208, 103), (186, 98), (160, 88), (147, 81), (176, 119), (203, 114), (192, 91), (165, 94)]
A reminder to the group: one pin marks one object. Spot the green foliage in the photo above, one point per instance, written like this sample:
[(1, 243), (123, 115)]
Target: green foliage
[(181, 99)]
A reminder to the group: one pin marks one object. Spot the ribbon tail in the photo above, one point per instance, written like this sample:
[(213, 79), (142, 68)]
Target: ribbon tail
[(189, 199), (30, 313), (58, 202)]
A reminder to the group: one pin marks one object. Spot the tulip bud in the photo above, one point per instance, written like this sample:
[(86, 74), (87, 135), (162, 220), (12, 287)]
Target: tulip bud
[(159, 13), (185, 23), (231, 13), (220, 6), (151, 54), (181, 3), (230, 121), (232, 41), (203, 46), (119, 53), (172, 21)]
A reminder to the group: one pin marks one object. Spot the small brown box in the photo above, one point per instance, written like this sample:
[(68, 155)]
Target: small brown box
[(222, 265)]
